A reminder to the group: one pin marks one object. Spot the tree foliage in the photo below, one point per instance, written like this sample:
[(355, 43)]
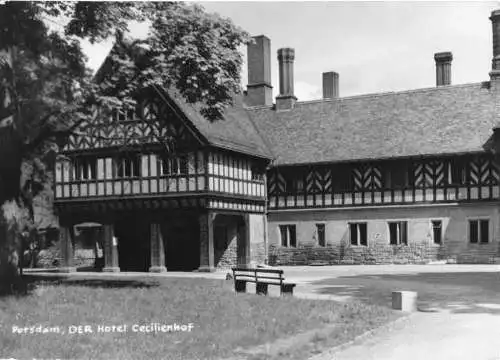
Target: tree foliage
[(46, 90)]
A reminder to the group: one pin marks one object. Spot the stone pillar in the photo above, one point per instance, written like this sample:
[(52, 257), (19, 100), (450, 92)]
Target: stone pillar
[(243, 252), (66, 238), (157, 249), (206, 221), (110, 250)]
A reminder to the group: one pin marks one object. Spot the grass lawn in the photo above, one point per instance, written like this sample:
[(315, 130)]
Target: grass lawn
[(222, 321)]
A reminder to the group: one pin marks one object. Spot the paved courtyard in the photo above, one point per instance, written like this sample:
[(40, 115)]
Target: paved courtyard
[(459, 315)]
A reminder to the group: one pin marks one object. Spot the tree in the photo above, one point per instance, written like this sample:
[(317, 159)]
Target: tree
[(46, 90)]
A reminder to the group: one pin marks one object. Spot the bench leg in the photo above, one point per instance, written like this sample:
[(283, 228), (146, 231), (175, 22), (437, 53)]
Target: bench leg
[(240, 286), (287, 289), (261, 289)]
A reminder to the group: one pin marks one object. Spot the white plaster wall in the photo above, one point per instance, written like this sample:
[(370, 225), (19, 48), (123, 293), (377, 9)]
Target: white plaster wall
[(454, 226)]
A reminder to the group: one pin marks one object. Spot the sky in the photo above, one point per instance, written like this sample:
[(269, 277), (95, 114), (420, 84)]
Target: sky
[(374, 46)]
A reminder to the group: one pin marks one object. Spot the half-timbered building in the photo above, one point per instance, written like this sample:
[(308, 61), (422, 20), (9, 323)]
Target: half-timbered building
[(400, 177)]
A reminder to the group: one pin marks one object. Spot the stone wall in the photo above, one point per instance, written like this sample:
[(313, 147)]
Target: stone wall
[(227, 230), (420, 249), (226, 243), (341, 255)]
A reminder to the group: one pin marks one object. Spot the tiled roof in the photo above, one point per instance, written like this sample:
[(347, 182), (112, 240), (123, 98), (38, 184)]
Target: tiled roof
[(441, 120), (235, 131)]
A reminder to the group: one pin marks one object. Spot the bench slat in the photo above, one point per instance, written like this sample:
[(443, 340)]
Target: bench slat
[(276, 271)]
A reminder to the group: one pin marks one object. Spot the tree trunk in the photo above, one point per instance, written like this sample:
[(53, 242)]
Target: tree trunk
[(10, 278)]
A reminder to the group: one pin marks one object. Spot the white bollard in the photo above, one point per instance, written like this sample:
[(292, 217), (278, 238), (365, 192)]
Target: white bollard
[(404, 300)]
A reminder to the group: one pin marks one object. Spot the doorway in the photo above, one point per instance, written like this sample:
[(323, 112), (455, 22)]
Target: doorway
[(133, 236)]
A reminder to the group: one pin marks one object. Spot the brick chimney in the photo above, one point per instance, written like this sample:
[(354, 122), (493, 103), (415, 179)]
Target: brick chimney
[(495, 63), (443, 68), (286, 98), (330, 85), (259, 88)]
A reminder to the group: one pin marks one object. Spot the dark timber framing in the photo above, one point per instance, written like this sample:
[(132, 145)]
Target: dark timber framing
[(459, 178)]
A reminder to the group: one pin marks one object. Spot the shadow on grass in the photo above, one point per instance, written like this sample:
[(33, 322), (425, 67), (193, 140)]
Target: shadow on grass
[(33, 281), (467, 292)]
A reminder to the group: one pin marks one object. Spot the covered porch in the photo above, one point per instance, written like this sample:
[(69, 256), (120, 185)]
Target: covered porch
[(136, 239)]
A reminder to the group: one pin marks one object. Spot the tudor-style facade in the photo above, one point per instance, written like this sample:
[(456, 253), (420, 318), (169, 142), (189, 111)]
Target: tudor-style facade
[(404, 177), (199, 208)]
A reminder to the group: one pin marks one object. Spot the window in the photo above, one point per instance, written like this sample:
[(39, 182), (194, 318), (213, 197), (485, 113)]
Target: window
[(124, 115), (396, 176), (258, 173), (320, 230), (294, 183), (457, 174), (479, 231), (342, 177), (358, 234), (85, 168), (128, 166), (398, 233), (288, 236), (177, 165), (437, 226)]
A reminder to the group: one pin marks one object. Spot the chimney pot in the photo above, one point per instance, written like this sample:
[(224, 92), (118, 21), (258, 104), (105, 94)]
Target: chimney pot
[(286, 98), (443, 68), (259, 88), (330, 85)]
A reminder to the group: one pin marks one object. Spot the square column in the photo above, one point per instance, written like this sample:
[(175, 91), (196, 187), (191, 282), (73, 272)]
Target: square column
[(66, 237), (243, 251), (206, 221), (157, 249), (110, 250)]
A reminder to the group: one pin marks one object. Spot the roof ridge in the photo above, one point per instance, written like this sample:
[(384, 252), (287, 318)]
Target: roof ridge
[(387, 93), (374, 95)]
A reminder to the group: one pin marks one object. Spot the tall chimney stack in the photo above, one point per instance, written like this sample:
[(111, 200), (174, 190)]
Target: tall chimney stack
[(443, 68), (330, 85), (259, 89), (495, 64), (286, 98)]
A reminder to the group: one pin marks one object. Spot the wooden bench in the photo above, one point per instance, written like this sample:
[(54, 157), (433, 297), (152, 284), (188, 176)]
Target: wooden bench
[(262, 279)]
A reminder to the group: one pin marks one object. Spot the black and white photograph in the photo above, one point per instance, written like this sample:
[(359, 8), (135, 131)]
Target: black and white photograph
[(250, 180)]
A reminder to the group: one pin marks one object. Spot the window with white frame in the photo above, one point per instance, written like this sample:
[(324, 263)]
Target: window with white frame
[(398, 232), (126, 166), (288, 235), (176, 165), (125, 115), (84, 168), (437, 231), (358, 234), (479, 231)]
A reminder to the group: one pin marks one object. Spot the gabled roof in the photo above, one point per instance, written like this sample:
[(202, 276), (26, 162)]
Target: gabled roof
[(235, 131), (434, 121)]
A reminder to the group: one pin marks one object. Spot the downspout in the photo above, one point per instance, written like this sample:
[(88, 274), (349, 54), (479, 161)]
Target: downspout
[(266, 213)]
